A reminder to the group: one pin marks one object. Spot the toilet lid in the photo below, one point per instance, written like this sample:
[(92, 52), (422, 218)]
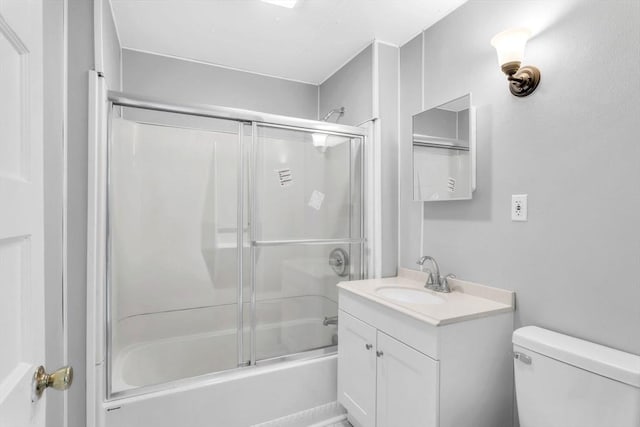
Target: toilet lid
[(608, 362)]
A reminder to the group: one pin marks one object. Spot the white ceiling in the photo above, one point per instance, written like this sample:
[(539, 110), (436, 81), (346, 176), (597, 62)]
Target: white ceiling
[(307, 43)]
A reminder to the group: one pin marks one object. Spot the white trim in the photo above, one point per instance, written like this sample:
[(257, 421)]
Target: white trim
[(399, 137), (376, 164), (387, 43), (422, 109), (96, 217), (422, 75), (213, 64), (351, 58)]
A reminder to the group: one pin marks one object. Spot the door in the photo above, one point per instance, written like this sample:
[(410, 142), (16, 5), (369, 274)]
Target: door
[(173, 296), (407, 386), (306, 235), (357, 369), (21, 212)]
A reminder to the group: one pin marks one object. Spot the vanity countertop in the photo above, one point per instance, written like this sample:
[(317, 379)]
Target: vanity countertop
[(467, 300)]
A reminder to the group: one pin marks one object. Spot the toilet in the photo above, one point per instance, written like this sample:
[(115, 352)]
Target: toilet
[(562, 381)]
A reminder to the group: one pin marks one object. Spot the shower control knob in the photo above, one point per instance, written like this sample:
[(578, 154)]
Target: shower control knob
[(339, 261), (368, 346), (379, 353)]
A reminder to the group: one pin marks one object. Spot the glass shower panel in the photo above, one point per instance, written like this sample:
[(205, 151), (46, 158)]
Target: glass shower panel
[(306, 235), (173, 247), (297, 297), (306, 185)]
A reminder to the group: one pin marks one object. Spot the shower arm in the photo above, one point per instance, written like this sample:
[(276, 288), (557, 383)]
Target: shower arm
[(339, 111)]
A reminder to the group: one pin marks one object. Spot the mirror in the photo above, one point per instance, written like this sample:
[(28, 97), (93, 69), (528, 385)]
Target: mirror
[(444, 152)]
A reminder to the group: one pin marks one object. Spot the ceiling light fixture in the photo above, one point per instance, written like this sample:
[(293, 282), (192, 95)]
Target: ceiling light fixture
[(510, 48), (284, 3)]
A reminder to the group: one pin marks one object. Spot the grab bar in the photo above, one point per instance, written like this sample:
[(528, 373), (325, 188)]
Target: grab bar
[(306, 242)]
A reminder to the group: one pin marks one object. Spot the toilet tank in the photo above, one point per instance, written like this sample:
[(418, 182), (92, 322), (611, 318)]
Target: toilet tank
[(562, 381)]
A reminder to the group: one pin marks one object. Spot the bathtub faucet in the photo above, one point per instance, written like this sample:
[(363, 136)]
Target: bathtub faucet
[(333, 320)]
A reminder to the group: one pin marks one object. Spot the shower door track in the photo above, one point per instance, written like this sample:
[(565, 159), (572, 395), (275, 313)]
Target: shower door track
[(237, 114)]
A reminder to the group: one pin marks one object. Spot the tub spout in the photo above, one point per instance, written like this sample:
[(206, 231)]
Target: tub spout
[(333, 320)]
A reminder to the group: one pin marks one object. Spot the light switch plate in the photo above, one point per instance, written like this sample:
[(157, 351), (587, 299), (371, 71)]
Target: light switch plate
[(519, 207)]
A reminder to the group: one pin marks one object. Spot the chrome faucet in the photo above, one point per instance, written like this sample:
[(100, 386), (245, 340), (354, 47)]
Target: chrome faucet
[(435, 281), (333, 320)]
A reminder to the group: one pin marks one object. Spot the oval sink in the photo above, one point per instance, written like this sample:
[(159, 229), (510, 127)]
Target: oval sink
[(407, 295)]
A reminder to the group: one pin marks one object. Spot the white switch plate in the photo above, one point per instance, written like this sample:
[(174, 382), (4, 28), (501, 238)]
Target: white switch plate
[(519, 207)]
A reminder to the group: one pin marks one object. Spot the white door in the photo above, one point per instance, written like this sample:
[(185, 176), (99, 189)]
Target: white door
[(407, 386), (21, 212), (357, 369)]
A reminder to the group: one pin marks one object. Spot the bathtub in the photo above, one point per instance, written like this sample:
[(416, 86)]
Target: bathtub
[(174, 369), (240, 398)]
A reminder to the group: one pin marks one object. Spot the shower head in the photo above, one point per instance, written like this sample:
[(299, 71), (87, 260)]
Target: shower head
[(339, 111)]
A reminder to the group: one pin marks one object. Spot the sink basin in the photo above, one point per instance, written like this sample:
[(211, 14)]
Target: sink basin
[(408, 295)]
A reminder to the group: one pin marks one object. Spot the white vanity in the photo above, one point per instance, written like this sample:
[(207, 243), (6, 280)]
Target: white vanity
[(409, 357)]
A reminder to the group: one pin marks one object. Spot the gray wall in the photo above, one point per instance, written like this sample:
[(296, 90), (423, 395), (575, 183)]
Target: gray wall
[(352, 87), (80, 61), (53, 19), (410, 216), (183, 81), (572, 146), (388, 57)]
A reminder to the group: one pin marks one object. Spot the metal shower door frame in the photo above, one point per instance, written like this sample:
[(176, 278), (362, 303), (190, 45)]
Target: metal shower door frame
[(244, 118), (253, 216)]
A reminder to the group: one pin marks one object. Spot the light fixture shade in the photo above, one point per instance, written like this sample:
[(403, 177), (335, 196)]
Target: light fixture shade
[(510, 45), (320, 141)]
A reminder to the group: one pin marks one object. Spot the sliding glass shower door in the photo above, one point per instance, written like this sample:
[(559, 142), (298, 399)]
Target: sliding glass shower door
[(175, 223), (226, 239), (306, 235)]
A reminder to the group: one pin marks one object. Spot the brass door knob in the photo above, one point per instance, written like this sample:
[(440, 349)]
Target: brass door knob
[(58, 380)]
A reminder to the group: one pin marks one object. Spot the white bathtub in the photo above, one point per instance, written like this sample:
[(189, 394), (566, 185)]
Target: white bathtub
[(241, 398), (176, 358), (173, 369)]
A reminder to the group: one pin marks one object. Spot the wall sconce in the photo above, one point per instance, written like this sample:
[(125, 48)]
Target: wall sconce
[(510, 47)]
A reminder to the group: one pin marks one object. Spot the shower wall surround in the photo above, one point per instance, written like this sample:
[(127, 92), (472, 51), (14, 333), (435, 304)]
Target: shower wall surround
[(571, 146)]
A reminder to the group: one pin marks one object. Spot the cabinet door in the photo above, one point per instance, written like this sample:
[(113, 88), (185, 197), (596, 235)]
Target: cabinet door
[(407, 384), (357, 369)]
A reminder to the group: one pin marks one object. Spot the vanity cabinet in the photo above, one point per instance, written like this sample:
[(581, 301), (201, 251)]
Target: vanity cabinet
[(383, 382), (395, 370)]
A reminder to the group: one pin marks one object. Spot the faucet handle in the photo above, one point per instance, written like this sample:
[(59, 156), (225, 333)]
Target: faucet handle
[(445, 281)]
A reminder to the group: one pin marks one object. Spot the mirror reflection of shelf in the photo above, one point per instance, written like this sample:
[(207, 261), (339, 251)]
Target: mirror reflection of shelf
[(439, 142), (444, 152)]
